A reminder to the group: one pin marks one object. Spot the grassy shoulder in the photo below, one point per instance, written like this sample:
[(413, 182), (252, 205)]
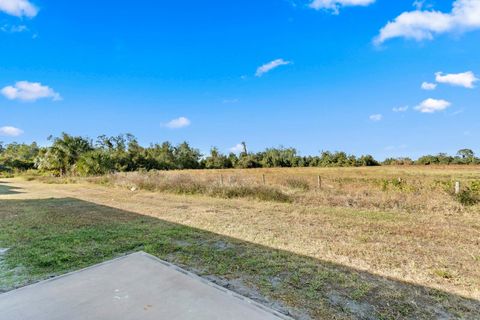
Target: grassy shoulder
[(48, 237)]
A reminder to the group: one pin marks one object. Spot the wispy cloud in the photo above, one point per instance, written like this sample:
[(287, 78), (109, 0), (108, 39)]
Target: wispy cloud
[(10, 131), (429, 86), (456, 113), (270, 66), (335, 5), (29, 91), (432, 105), (400, 109), (237, 148), (425, 24), (376, 117), (18, 8), (465, 79), (14, 28), (178, 123)]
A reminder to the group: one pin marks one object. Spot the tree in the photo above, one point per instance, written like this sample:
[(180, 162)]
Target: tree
[(368, 161), (427, 160), (186, 157), (96, 162), (467, 155), (64, 153), (216, 160), (282, 157), (244, 146), (161, 157), (19, 156)]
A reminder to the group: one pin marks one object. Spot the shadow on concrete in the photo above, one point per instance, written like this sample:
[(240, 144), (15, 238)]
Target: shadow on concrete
[(68, 234)]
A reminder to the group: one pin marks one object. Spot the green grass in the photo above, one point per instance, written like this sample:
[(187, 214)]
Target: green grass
[(55, 236)]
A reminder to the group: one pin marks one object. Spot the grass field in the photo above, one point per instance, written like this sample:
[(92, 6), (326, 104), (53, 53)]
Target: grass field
[(371, 243)]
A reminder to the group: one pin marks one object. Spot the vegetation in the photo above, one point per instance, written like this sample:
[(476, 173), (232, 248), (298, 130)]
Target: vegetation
[(48, 237), (79, 156)]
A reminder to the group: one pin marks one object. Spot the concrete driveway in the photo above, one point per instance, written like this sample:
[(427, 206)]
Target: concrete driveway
[(137, 286)]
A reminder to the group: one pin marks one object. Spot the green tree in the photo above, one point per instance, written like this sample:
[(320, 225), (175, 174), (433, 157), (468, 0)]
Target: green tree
[(367, 161), (186, 157), (467, 155), (95, 162), (216, 160), (17, 156), (62, 156)]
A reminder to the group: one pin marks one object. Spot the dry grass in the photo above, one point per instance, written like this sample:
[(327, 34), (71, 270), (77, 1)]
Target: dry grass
[(410, 189), (188, 184), (413, 231)]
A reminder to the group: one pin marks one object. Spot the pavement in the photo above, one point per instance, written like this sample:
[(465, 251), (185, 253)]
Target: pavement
[(137, 286)]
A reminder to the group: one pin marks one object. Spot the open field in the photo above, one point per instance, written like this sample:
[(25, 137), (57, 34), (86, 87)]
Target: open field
[(371, 243)]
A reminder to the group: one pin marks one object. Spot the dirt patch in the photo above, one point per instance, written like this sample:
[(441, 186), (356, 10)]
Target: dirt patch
[(360, 310)]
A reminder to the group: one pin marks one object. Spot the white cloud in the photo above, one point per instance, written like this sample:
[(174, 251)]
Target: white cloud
[(178, 123), (18, 8), (237, 149), (335, 5), (432, 105), (400, 109), (376, 117), (270, 66), (418, 4), (13, 28), (429, 86), (425, 24), (10, 131), (465, 79), (29, 91), (456, 113)]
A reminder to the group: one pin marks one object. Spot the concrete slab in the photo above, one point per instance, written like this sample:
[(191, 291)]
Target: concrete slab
[(137, 286)]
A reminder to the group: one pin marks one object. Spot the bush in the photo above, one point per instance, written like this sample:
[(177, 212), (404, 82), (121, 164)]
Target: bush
[(256, 192), (467, 197), (300, 184), (475, 187)]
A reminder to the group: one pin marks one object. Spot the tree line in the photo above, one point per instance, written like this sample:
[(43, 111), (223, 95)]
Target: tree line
[(75, 155)]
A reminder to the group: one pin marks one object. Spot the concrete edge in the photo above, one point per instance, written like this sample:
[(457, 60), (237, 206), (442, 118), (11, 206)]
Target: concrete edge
[(167, 264)]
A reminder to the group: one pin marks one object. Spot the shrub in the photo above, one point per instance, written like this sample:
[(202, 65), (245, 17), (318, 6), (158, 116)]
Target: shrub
[(475, 186), (255, 192), (300, 184), (467, 197)]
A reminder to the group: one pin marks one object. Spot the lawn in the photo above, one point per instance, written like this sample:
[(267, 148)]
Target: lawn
[(308, 260)]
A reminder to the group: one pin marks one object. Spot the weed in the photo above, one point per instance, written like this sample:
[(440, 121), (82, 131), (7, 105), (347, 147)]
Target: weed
[(300, 184), (467, 197), (442, 273)]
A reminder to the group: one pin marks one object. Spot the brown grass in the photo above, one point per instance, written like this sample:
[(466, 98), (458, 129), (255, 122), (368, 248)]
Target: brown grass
[(403, 223), (399, 189)]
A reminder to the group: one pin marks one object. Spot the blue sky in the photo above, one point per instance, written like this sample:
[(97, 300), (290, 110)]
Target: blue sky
[(333, 73)]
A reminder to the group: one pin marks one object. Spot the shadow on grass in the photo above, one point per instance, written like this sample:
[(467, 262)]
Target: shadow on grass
[(53, 236), (6, 189)]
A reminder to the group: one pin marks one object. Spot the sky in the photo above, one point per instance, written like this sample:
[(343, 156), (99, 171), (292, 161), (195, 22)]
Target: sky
[(380, 77)]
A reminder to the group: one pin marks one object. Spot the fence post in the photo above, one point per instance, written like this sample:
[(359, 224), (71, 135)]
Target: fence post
[(319, 182), (457, 187), (221, 179), (263, 179)]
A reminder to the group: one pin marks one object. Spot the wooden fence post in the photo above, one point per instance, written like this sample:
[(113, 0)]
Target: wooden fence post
[(263, 179), (319, 182), (221, 179)]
